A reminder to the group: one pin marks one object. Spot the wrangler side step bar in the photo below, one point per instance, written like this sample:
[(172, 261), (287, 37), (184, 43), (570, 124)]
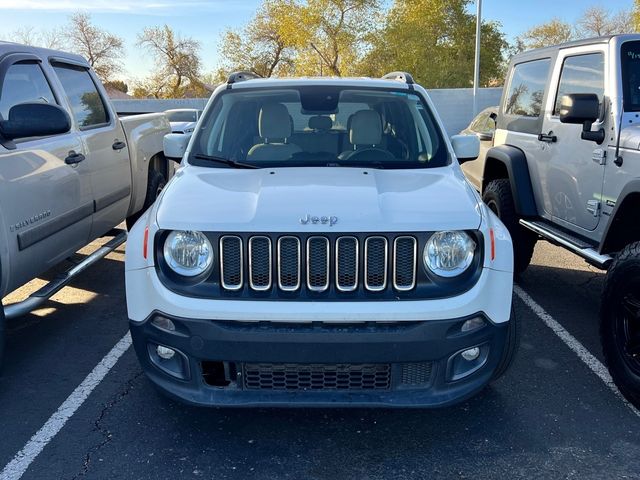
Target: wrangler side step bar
[(54, 286), (563, 239)]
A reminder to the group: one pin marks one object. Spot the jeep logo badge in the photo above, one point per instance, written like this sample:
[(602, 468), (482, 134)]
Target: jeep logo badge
[(322, 220)]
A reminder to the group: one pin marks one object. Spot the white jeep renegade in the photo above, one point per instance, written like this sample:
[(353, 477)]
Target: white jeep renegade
[(320, 246)]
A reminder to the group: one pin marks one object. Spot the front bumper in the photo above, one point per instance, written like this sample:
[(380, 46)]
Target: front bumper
[(419, 361)]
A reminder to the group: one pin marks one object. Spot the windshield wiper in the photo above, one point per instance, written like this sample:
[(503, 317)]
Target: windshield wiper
[(226, 161)]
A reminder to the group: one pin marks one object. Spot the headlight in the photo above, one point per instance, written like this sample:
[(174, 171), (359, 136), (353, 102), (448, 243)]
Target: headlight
[(449, 253), (188, 253)]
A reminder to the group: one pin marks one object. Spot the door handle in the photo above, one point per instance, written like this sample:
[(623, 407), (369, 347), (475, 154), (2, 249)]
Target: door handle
[(74, 158), (547, 137), (118, 145)]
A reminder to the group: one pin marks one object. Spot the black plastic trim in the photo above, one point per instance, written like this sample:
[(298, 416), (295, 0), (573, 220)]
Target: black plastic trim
[(36, 234), (111, 198), (632, 187), (515, 162)]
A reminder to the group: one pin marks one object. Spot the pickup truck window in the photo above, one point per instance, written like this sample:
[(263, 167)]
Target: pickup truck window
[(86, 103), (24, 82), (581, 74), (630, 59), (526, 89), (319, 126)]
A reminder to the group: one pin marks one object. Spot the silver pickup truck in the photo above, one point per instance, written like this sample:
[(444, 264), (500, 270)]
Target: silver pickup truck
[(70, 169)]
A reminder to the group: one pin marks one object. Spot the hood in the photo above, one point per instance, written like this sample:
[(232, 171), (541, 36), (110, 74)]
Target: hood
[(181, 126), (350, 199)]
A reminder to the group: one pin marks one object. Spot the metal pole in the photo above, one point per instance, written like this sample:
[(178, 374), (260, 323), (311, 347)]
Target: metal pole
[(476, 70)]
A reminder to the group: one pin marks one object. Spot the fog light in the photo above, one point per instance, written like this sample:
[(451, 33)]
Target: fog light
[(164, 324), (469, 355), (167, 353), (472, 324)]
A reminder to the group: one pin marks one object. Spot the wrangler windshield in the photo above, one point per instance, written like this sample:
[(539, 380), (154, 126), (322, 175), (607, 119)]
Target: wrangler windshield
[(319, 126)]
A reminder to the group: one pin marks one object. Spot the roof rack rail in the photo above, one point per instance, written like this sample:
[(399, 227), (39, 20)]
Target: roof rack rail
[(400, 76), (236, 77)]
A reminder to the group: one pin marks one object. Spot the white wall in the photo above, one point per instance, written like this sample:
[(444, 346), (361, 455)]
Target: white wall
[(454, 105)]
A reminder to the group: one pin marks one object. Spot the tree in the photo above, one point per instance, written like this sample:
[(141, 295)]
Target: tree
[(598, 22), (266, 45), (434, 40), (635, 16), (178, 61), (48, 38), (337, 34), (103, 50), (117, 85), (551, 33)]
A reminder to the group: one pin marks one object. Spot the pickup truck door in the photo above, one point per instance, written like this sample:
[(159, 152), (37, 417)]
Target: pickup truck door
[(575, 168), (107, 156), (46, 200)]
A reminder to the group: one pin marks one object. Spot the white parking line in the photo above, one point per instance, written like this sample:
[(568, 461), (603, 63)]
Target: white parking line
[(574, 344), (16, 467)]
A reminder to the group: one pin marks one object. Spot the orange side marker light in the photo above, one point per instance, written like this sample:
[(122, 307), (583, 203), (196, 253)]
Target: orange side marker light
[(146, 241), (493, 244)]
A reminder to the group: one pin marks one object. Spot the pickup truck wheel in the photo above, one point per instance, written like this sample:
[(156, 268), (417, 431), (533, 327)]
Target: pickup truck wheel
[(620, 322), (2, 333), (155, 184), (499, 198), (511, 347)]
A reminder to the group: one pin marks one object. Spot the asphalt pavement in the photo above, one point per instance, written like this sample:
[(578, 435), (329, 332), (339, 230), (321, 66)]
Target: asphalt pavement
[(550, 416)]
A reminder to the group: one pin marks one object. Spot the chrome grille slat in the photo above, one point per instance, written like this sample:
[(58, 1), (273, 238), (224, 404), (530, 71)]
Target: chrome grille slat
[(376, 255), (289, 263), (317, 263), (231, 266), (405, 250), (260, 263), (347, 253)]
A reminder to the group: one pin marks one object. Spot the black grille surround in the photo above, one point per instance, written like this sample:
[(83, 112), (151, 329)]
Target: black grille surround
[(384, 267)]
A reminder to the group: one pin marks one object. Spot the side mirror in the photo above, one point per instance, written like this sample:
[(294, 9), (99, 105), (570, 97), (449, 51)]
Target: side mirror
[(35, 120), (582, 108), (466, 147), (175, 144)]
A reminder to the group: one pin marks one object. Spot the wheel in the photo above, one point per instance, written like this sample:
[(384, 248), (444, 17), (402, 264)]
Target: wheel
[(2, 333), (155, 184), (499, 198), (620, 322), (511, 347)]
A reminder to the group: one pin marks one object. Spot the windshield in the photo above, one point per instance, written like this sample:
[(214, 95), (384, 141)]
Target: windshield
[(319, 126), (183, 116), (630, 59)]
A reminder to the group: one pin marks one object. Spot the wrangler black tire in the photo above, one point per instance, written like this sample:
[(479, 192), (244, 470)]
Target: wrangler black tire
[(511, 346), (499, 198), (155, 184), (620, 322)]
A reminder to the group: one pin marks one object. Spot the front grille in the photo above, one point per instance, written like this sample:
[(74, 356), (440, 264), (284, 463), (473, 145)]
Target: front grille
[(260, 263), (414, 374), (318, 263), (272, 376)]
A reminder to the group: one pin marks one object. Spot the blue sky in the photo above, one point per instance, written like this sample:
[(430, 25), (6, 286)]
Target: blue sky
[(206, 19)]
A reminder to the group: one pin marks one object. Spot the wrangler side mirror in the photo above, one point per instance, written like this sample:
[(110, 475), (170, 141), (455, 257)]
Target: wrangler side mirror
[(582, 108)]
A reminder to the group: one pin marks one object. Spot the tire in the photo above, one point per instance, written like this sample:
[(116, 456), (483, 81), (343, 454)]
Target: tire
[(499, 198), (511, 347), (155, 184), (2, 334), (620, 322)]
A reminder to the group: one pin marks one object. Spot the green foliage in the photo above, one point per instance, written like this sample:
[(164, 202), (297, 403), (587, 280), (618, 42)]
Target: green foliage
[(435, 41), (117, 85)]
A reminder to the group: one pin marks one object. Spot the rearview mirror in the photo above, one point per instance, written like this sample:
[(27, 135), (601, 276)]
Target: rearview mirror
[(35, 120), (466, 147), (175, 144), (582, 108)]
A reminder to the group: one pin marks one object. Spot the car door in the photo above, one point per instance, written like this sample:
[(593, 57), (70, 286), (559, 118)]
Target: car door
[(107, 156), (46, 199), (575, 168)]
